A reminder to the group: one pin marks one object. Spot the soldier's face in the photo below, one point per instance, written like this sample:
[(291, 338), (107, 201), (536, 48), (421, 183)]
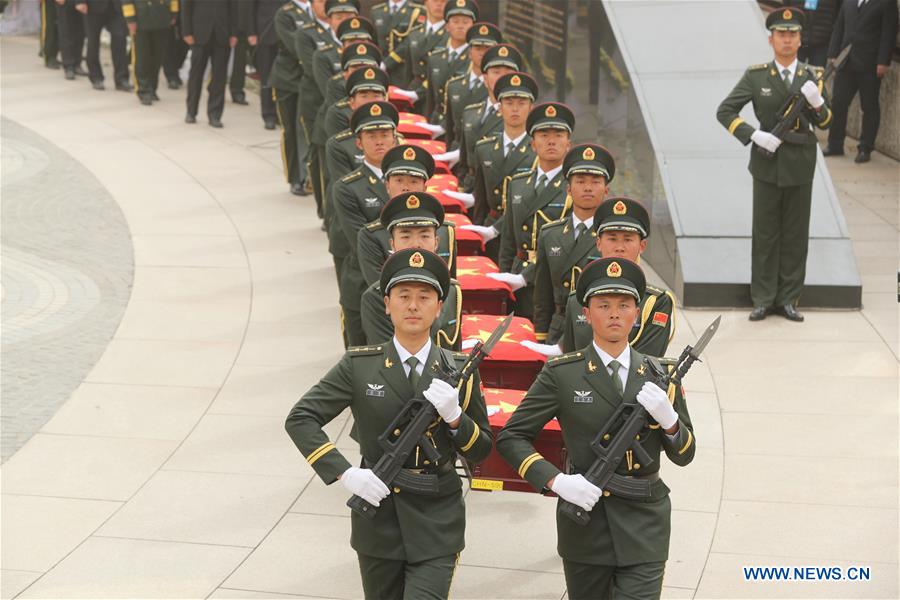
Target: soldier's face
[(785, 44), (587, 191), (318, 7), (457, 27), (365, 96), (611, 316), (336, 18), (435, 9), (375, 144), (476, 53), (550, 145), (515, 111), (621, 244), (493, 74), (400, 184), (420, 238), (413, 307)]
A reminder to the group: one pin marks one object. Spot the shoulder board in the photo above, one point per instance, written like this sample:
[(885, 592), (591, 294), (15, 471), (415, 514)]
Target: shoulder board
[(522, 175), (437, 51), (565, 358), (287, 6), (345, 134), (457, 78), (327, 46), (374, 226), (448, 224), (343, 103), (337, 76), (758, 67), (460, 356), (364, 350), (556, 223), (309, 25), (655, 290), (488, 139), (476, 105), (454, 281), (351, 177), (379, 6)]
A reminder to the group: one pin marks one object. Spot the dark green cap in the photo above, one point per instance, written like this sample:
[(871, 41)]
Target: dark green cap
[(611, 276), (484, 34), (622, 214), (552, 115), (412, 209), (360, 53), (466, 8), (367, 78), (416, 265), (357, 28), (502, 55), (333, 6), (785, 19), (516, 85), (408, 160), (591, 159), (374, 115)]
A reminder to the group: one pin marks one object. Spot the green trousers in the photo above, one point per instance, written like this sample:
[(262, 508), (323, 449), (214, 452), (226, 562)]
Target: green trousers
[(384, 579), (49, 32), (293, 138), (148, 53), (780, 242), (603, 582)]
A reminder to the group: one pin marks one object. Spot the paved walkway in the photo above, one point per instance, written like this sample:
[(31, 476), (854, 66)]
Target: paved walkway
[(168, 473)]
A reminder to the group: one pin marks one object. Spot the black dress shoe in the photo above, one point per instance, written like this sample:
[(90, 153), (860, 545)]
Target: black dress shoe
[(863, 156), (98, 85), (79, 70), (270, 123), (174, 84), (759, 313), (52, 64), (70, 74), (124, 86), (790, 313), (190, 119), (242, 100), (217, 123), (154, 96), (146, 100), (829, 151), (297, 189)]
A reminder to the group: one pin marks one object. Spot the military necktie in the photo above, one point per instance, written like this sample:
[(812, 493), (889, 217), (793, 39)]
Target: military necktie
[(541, 184), (787, 77), (614, 366), (509, 148), (413, 362), (581, 228)]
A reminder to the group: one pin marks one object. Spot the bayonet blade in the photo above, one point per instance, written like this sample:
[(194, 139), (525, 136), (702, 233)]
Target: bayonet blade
[(704, 339), (497, 335)]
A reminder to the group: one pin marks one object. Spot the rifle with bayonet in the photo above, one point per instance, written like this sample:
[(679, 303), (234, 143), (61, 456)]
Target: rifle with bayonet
[(796, 103), (622, 430), (407, 431)]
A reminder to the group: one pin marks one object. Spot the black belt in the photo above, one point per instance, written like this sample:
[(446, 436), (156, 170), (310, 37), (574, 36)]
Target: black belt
[(422, 481), (438, 469)]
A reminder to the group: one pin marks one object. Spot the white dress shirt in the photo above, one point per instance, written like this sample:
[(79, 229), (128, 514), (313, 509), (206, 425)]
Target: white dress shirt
[(624, 360), (791, 67), (588, 223), (549, 174), (452, 52), (421, 355), (378, 173), (515, 142), (395, 6), (433, 27)]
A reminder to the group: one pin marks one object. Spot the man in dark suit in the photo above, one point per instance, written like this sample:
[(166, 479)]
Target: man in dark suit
[(871, 26), (208, 27), (262, 36), (100, 14)]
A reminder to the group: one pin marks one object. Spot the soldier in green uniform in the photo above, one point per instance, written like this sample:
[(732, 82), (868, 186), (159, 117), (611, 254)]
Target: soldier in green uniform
[(49, 35), (411, 546), (501, 155), (358, 199), (623, 228), (622, 551), (566, 246), (346, 27), (451, 59), (284, 80), (782, 179), (412, 220), (534, 198), (395, 16), (150, 25), (337, 106), (407, 62)]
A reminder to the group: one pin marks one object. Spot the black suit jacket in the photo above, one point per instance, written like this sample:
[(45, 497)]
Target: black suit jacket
[(208, 19), (261, 20), (871, 28)]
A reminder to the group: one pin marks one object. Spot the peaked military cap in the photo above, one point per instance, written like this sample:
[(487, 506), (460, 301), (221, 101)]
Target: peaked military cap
[(466, 8), (412, 209), (367, 78), (785, 19), (591, 159), (357, 28), (360, 53), (333, 6), (516, 85), (622, 214), (484, 34), (408, 160), (552, 115), (374, 115), (611, 276), (416, 265), (502, 55)]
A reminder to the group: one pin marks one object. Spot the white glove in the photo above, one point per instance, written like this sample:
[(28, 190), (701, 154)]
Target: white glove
[(486, 233), (547, 350), (408, 94), (365, 484), (450, 158), (652, 398), (468, 344), (811, 91), (445, 399), (515, 282), (468, 200), (766, 140), (382, 66), (436, 130), (577, 490)]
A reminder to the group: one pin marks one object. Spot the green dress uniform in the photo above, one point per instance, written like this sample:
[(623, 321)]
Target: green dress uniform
[(782, 184), (148, 50), (287, 71), (410, 547), (49, 34), (445, 330), (337, 118), (398, 22), (407, 62), (443, 63), (373, 248), (626, 543)]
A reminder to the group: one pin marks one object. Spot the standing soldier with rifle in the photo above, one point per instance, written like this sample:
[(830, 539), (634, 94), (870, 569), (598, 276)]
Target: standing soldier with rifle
[(408, 520), (614, 515), (788, 99)]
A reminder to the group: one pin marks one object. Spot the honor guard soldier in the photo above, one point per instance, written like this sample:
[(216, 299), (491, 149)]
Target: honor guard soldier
[(406, 169), (327, 58), (410, 547), (783, 170), (355, 56), (468, 88), (262, 37), (358, 199), (534, 198), (451, 59), (501, 155), (407, 62), (287, 71), (623, 227), (621, 552), (394, 16), (330, 67), (566, 246), (49, 35), (150, 24), (412, 220)]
